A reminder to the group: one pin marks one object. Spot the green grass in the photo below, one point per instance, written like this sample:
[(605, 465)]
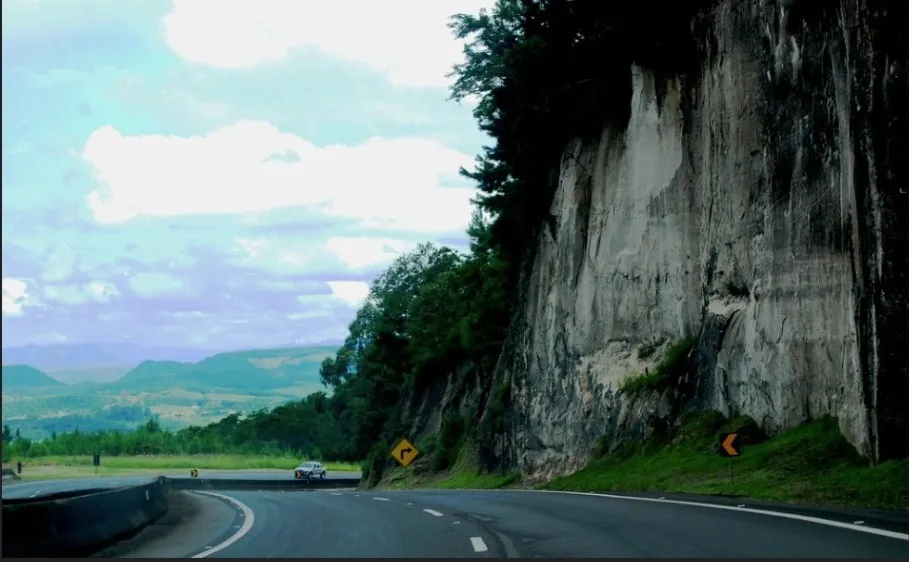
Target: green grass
[(173, 462), (475, 481), (670, 367), (403, 479), (809, 464)]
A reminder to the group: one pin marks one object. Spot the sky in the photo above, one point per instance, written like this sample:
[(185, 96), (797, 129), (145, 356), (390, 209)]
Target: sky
[(218, 173)]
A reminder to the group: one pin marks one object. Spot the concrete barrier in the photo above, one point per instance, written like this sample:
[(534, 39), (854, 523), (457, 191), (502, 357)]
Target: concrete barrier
[(81, 525), (10, 474), (263, 484), (55, 496)]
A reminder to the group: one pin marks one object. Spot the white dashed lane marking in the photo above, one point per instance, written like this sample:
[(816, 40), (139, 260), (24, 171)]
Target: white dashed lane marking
[(478, 544)]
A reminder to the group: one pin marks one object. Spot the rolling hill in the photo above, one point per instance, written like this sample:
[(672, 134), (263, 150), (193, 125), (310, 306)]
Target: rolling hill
[(180, 393), (54, 357), (239, 371), (24, 376)]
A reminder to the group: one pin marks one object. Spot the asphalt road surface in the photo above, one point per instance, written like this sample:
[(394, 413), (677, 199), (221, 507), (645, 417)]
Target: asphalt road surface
[(450, 523), (442, 524), (36, 488)]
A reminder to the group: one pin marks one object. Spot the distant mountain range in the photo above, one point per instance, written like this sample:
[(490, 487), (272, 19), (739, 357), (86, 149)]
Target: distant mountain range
[(23, 376), (106, 362), (81, 356), (236, 371), (180, 392)]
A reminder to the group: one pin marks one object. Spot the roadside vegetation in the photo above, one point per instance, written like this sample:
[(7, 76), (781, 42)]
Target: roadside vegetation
[(811, 464), (666, 373), (297, 430), (401, 479), (51, 467)]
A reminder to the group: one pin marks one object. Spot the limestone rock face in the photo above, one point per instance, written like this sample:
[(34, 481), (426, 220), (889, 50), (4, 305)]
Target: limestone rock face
[(758, 207)]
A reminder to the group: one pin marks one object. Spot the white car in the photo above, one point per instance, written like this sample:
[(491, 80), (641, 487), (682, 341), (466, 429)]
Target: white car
[(310, 469)]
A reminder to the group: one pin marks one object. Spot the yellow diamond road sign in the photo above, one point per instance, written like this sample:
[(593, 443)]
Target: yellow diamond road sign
[(405, 452)]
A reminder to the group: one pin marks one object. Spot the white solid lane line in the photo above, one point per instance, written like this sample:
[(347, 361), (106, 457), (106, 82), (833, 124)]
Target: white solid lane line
[(248, 519), (381, 499), (781, 514), (478, 544), (433, 512)]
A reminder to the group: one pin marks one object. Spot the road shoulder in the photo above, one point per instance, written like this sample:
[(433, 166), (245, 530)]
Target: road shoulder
[(192, 523), (891, 520)]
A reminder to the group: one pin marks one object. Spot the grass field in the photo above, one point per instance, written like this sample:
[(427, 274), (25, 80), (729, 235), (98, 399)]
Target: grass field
[(809, 464), (71, 467), (457, 479)]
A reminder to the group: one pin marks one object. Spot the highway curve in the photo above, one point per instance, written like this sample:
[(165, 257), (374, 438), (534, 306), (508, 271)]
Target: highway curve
[(443, 524)]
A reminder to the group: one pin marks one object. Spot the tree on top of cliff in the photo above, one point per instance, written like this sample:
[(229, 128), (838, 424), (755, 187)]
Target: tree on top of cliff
[(546, 72)]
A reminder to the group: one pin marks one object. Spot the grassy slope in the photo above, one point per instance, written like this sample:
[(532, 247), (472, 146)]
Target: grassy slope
[(809, 464), (72, 467), (24, 376)]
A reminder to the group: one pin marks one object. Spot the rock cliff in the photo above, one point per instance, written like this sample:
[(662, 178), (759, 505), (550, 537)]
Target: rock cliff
[(756, 205)]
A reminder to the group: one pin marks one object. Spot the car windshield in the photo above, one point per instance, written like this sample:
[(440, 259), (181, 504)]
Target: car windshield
[(308, 465)]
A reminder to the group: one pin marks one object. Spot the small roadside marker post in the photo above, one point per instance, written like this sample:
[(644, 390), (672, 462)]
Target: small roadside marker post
[(729, 447)]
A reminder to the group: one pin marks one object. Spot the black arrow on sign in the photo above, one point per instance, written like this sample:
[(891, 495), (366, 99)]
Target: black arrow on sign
[(403, 451)]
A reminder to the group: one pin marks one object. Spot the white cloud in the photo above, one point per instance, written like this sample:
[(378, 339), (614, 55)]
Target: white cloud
[(152, 284), (359, 252), (344, 295), (188, 314), (67, 294), (281, 255), (99, 291), (351, 292), (384, 183), (60, 263), (15, 296), (102, 290), (316, 306), (408, 40)]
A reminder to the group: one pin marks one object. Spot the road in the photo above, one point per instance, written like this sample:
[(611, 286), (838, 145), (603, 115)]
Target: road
[(450, 523), (36, 488), (443, 524)]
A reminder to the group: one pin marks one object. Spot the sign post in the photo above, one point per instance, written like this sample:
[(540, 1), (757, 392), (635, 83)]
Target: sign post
[(730, 447), (404, 453), (96, 461)]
